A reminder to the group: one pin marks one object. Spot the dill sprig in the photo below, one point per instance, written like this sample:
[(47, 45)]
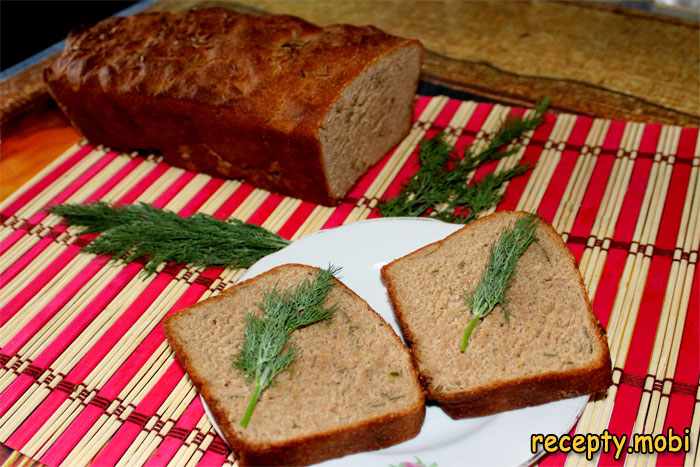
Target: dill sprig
[(265, 352), (139, 231), (504, 256), (441, 184)]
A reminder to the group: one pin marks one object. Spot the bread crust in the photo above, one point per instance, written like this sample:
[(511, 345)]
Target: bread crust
[(230, 94), (523, 392), (371, 434)]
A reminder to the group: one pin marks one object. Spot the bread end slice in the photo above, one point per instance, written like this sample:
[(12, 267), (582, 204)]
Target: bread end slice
[(548, 347), (352, 387), (371, 115)]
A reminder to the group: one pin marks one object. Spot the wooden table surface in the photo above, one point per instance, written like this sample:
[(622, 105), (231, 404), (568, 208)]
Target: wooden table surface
[(29, 144)]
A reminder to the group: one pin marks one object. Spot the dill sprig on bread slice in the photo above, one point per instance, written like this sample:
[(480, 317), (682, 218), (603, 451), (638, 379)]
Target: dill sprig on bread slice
[(351, 386), (548, 346), (503, 259), (265, 351)]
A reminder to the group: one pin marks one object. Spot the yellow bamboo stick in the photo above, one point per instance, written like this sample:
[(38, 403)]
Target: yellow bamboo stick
[(44, 197), (281, 213), (88, 447), (147, 440), (28, 241), (38, 301), (178, 203), (314, 222), (596, 415), (43, 337), (671, 324), (41, 174), (154, 440), (693, 457), (548, 160), (403, 151), (60, 419), (573, 195), (188, 449), (250, 204), (622, 322)]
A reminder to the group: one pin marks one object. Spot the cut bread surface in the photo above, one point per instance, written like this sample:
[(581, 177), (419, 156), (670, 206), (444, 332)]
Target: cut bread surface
[(543, 344), (352, 386), (372, 114)]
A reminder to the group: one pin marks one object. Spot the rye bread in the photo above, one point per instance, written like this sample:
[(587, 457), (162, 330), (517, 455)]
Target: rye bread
[(549, 347), (351, 388), (275, 100)]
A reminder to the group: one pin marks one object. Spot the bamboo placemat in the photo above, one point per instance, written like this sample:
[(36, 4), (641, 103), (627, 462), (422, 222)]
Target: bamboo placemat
[(87, 375)]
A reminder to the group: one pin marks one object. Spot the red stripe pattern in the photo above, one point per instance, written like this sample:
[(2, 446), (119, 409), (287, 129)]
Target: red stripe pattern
[(86, 374)]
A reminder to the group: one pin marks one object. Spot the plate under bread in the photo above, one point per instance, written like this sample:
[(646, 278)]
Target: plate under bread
[(361, 249)]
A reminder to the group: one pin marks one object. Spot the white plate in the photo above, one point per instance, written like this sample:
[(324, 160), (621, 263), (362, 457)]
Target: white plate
[(361, 249)]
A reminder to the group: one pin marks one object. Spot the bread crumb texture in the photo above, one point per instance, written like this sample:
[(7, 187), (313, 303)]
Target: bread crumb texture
[(348, 369), (544, 326)]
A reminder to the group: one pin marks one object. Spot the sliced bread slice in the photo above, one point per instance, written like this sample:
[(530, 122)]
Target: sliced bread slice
[(352, 386), (544, 346)]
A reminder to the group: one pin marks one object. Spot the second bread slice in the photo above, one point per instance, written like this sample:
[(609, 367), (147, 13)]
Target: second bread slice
[(548, 346), (351, 388)]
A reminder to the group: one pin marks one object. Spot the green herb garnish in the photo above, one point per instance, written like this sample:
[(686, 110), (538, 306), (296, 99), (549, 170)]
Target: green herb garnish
[(265, 351), (142, 231), (495, 280), (441, 184)]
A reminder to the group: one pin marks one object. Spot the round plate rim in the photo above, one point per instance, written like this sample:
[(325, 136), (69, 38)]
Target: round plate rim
[(260, 266)]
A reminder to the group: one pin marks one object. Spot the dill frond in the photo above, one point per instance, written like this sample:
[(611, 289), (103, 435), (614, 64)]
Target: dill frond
[(440, 185), (139, 231), (266, 352), (494, 282)]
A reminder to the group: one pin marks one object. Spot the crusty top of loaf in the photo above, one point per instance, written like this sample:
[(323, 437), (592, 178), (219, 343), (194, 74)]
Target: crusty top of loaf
[(278, 68), (545, 325), (349, 370)]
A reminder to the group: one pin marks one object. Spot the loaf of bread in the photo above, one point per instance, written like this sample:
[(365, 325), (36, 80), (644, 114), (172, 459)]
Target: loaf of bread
[(351, 388), (275, 100), (549, 346)]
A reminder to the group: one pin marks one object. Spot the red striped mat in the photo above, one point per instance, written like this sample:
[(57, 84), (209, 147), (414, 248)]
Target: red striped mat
[(87, 375)]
